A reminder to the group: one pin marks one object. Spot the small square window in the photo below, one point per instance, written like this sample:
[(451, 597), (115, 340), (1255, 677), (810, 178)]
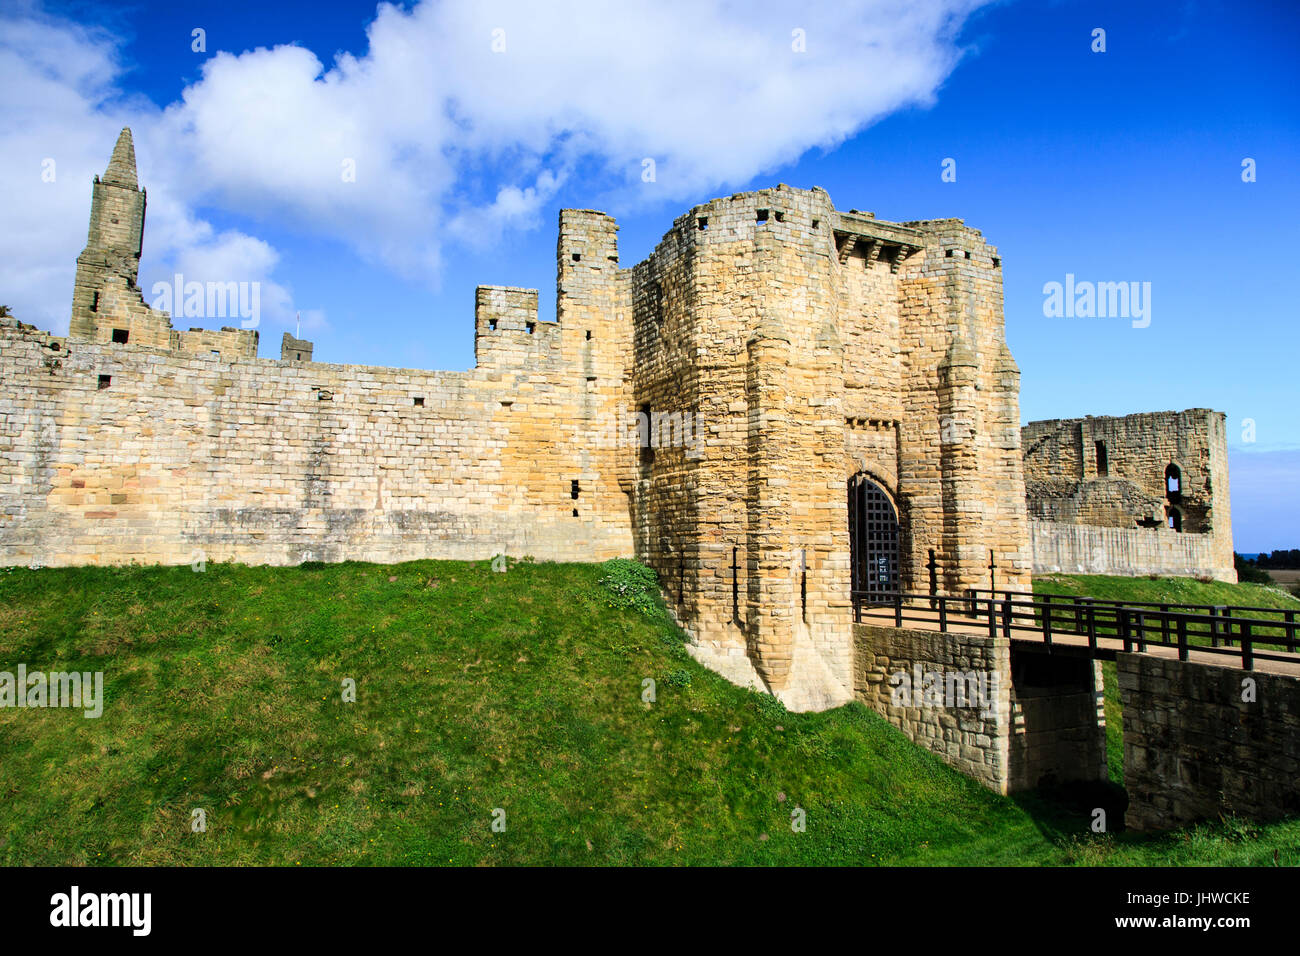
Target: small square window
[(780, 217), (105, 381), (531, 326), (589, 335), (577, 257), (762, 215), (419, 401), (492, 325), (120, 336), (703, 223)]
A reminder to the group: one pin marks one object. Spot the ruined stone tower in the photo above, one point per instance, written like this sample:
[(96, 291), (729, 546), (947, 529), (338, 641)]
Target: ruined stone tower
[(105, 294)]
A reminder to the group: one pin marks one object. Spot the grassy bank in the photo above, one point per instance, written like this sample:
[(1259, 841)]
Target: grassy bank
[(475, 692)]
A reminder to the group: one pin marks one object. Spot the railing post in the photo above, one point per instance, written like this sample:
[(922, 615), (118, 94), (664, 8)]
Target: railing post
[(1227, 635), (1006, 616), (1141, 628), (933, 566), (1182, 638), (1164, 623), (1122, 623), (1092, 628), (1247, 651), (970, 602), (1047, 619), (993, 620), (1078, 614), (898, 609), (1290, 631), (943, 612), (1214, 624)]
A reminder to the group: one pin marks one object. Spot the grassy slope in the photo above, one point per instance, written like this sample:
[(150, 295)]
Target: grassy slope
[(475, 691), (1152, 590)]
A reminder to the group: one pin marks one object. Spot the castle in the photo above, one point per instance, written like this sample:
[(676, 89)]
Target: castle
[(783, 404)]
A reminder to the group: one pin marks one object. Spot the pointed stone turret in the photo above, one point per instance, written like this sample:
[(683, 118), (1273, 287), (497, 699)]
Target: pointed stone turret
[(106, 303), (121, 167)]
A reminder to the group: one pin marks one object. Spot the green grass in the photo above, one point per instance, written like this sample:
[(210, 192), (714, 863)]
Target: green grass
[(1178, 592), (475, 691)]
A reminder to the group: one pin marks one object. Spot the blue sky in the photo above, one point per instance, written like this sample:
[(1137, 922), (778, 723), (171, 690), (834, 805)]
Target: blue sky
[(1117, 166)]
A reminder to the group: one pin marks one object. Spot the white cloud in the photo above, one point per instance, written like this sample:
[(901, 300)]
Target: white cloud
[(448, 138)]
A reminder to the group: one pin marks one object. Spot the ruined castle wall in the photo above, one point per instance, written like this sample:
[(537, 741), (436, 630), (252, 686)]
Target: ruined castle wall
[(264, 462), (1089, 549), (229, 343), (1068, 487)]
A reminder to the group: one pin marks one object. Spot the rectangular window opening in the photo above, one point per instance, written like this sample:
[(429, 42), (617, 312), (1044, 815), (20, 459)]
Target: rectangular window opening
[(94, 303), (419, 401), (574, 489), (703, 223), (492, 325), (120, 336), (577, 257), (780, 217), (530, 326), (1103, 463), (762, 215), (105, 381)]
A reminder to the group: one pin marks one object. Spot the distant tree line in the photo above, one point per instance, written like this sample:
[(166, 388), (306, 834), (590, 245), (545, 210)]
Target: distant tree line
[(1278, 559)]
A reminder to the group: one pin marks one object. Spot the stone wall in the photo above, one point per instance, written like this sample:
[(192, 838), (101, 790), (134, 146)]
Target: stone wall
[(1040, 720), (1058, 732), (1111, 473), (1194, 750), (1088, 549), (111, 454), (975, 740)]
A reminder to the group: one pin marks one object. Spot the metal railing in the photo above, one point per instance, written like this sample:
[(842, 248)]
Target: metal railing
[(1238, 634)]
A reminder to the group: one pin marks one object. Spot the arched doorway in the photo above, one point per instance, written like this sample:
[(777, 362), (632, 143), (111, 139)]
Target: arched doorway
[(873, 540)]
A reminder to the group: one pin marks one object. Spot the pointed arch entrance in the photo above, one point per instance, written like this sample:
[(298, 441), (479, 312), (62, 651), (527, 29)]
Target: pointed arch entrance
[(873, 540)]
